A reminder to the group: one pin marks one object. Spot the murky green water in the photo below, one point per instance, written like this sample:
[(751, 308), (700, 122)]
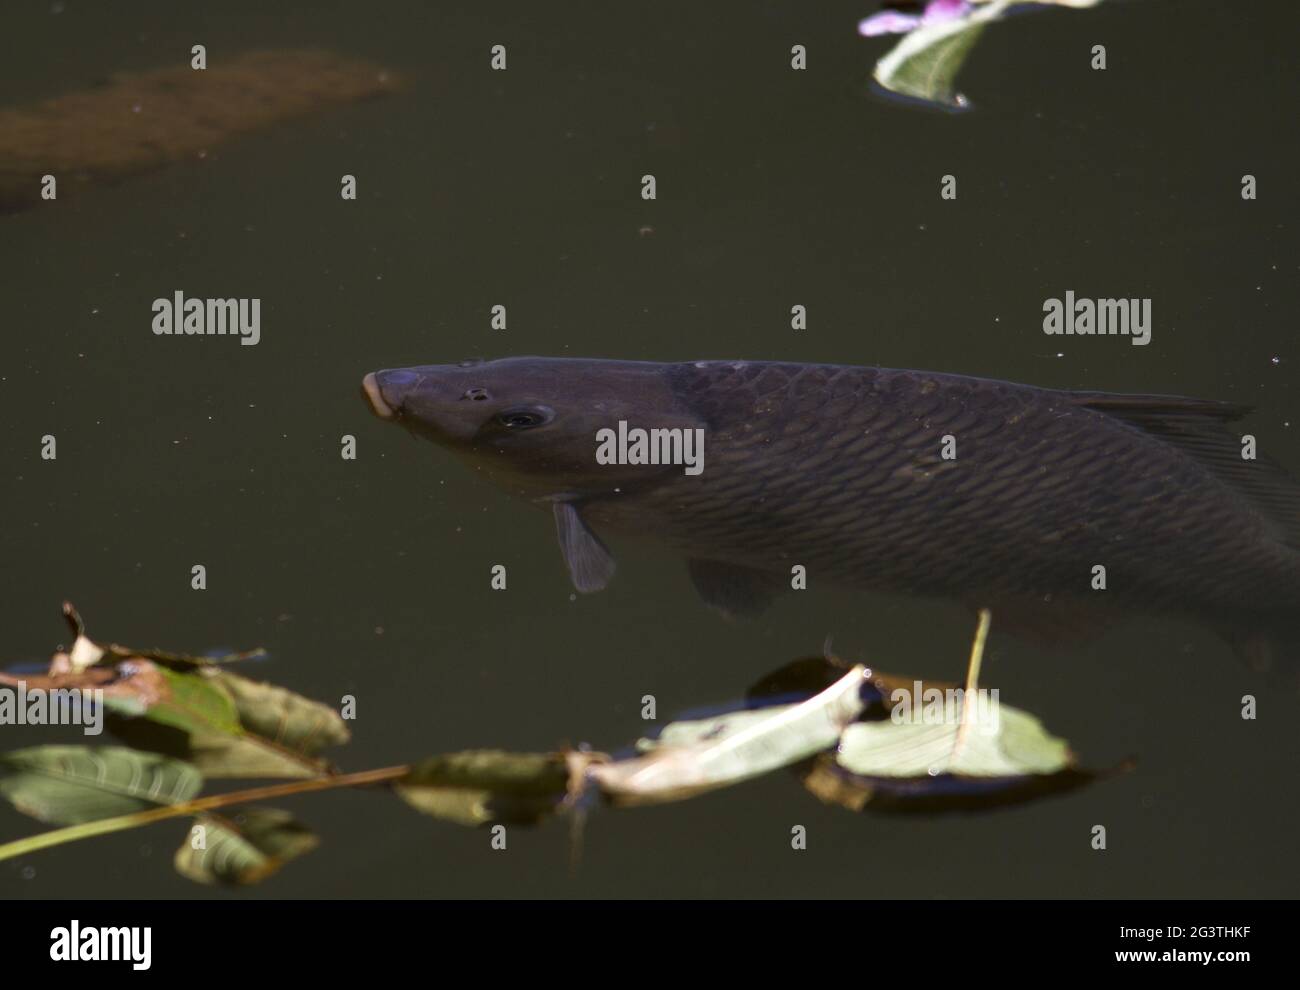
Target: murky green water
[(775, 187)]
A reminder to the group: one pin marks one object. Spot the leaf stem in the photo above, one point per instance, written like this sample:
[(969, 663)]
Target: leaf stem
[(103, 826), (972, 682)]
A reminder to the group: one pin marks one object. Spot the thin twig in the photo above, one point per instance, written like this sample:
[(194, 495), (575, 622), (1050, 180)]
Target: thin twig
[(103, 826)]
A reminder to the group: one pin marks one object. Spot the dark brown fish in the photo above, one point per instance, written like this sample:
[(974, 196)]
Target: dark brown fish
[(842, 470)]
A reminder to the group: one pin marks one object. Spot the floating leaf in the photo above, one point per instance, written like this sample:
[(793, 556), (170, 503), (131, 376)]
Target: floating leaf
[(797, 680), (284, 718), (858, 737), (831, 783), (248, 756), (187, 701), (218, 754), (1017, 746), (913, 748), (694, 756), (68, 785), (192, 716), (943, 748), (233, 726), (278, 732), (924, 63), (244, 848), (191, 708), (479, 786)]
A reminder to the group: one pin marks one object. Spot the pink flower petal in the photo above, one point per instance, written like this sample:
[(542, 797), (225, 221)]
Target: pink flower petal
[(887, 22)]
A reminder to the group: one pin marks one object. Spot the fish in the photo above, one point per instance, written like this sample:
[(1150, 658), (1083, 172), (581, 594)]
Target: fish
[(987, 492)]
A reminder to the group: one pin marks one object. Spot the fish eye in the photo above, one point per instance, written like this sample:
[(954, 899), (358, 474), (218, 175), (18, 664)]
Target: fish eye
[(524, 419)]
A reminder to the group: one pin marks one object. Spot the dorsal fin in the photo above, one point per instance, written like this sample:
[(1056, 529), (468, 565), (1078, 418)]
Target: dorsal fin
[(1196, 427), (1142, 407), (590, 564)]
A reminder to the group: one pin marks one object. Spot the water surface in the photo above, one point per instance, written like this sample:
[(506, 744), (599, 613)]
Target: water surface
[(775, 187)]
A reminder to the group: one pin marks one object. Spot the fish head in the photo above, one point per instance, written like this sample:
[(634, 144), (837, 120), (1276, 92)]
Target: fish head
[(531, 424)]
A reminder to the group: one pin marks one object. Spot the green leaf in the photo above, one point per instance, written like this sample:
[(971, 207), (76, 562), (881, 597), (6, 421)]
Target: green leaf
[(892, 747), (694, 756), (248, 757), (217, 754), (192, 708), (479, 786), (194, 703), (289, 720), (228, 725), (925, 761), (68, 785), (1017, 746), (244, 848), (924, 64)]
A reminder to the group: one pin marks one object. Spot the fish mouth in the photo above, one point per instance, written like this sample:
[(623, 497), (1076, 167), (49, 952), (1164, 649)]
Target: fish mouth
[(370, 389)]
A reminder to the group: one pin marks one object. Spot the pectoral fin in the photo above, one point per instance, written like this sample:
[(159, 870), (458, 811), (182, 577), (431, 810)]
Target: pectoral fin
[(732, 589), (590, 564)]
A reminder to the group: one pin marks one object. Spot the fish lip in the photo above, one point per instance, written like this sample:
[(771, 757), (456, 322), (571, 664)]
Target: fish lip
[(370, 389)]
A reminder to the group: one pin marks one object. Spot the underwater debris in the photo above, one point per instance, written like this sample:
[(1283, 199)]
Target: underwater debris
[(142, 121)]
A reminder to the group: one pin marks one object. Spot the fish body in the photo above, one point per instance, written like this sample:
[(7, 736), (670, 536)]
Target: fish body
[(903, 481)]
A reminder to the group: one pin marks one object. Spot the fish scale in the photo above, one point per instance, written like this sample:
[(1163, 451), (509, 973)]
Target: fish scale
[(840, 469), (1029, 466)]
